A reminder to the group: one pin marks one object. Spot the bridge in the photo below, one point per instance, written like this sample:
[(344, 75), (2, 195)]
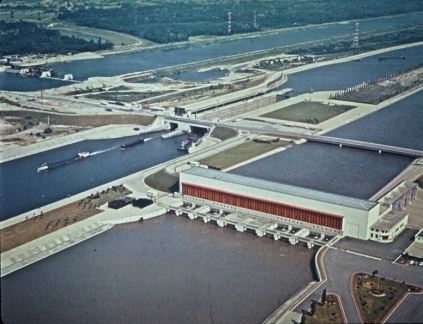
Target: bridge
[(381, 148)]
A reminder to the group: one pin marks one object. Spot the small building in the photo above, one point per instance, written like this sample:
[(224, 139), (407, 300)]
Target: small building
[(415, 250), (121, 202)]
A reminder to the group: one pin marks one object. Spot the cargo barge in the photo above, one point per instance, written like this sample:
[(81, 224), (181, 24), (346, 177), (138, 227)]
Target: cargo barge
[(46, 167), (138, 141)]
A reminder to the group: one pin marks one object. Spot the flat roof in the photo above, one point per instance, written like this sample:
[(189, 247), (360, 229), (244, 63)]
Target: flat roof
[(283, 188)]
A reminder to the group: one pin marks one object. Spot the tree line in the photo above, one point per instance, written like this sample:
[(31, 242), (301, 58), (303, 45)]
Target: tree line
[(173, 22), (25, 38)]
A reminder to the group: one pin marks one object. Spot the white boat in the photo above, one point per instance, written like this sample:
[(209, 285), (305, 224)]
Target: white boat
[(43, 167), (82, 155)]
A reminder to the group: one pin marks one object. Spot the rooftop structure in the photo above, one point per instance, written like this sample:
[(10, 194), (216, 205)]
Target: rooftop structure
[(291, 205)]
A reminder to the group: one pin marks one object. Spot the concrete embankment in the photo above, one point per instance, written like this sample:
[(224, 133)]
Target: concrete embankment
[(60, 240), (45, 246), (104, 132), (286, 313)]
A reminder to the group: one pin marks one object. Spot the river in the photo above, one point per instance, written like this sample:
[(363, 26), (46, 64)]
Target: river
[(127, 63), (171, 269), (24, 189), (165, 270), (348, 171), (297, 166)]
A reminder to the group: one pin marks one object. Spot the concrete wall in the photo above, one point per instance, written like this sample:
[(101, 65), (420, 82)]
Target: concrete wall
[(356, 221)]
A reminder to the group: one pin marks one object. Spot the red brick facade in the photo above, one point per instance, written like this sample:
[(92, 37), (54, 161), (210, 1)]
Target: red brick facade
[(265, 206)]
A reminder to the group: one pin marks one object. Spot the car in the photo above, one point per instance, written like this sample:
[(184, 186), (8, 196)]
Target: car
[(421, 264), (411, 262)]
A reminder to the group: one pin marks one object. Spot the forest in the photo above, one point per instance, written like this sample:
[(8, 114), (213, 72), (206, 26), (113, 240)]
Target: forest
[(177, 21), (25, 38)]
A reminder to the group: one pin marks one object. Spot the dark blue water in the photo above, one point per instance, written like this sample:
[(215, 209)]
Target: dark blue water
[(23, 188), (399, 124), (347, 171), (167, 270), (115, 65), (344, 75)]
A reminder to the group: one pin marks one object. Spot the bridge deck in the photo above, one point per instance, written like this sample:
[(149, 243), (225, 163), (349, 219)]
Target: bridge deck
[(365, 145)]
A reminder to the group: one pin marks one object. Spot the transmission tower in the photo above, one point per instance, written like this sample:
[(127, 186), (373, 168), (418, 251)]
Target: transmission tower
[(229, 22), (355, 39)]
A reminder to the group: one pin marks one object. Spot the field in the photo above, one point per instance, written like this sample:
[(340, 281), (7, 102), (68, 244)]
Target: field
[(223, 133), (240, 153), (163, 181), (374, 308), (126, 96), (308, 112), (329, 312), (44, 223)]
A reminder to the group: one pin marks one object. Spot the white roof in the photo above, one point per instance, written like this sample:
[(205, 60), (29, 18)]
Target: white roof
[(283, 188)]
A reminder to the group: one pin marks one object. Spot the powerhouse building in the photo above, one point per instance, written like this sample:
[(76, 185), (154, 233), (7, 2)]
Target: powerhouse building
[(291, 205)]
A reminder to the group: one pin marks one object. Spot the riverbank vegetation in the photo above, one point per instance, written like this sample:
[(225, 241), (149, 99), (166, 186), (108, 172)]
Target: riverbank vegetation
[(383, 88), (172, 21), (27, 37)]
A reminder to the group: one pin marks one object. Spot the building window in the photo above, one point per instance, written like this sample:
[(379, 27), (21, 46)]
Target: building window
[(280, 210)]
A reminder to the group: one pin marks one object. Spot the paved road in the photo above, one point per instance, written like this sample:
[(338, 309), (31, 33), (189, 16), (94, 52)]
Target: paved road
[(387, 251), (340, 265)]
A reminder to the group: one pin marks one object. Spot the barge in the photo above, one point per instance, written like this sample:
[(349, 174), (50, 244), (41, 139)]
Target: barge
[(138, 141)]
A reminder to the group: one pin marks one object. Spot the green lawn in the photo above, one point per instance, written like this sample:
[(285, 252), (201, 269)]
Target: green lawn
[(330, 312), (308, 112), (163, 181), (374, 309), (240, 154), (223, 133)]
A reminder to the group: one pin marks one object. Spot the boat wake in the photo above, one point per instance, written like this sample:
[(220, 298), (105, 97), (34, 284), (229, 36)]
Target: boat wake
[(103, 151)]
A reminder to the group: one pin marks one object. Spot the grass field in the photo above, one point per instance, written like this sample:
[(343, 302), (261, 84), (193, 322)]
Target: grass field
[(240, 153), (128, 96), (330, 312), (223, 133), (44, 223), (163, 181), (374, 309), (308, 112)]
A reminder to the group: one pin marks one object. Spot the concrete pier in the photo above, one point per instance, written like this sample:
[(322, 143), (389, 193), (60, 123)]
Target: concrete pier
[(240, 228)]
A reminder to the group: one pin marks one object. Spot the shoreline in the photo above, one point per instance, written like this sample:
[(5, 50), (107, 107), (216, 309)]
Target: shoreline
[(116, 131), (97, 133)]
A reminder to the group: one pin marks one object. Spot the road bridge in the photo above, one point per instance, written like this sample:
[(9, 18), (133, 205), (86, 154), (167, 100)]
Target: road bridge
[(381, 148)]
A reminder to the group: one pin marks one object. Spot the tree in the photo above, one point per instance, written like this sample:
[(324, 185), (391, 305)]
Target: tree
[(324, 296), (48, 130), (313, 308)]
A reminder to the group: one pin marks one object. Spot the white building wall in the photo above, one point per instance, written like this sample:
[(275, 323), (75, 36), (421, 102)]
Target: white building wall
[(356, 221)]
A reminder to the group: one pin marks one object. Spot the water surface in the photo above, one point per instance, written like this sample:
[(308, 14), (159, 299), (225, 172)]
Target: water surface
[(167, 270)]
